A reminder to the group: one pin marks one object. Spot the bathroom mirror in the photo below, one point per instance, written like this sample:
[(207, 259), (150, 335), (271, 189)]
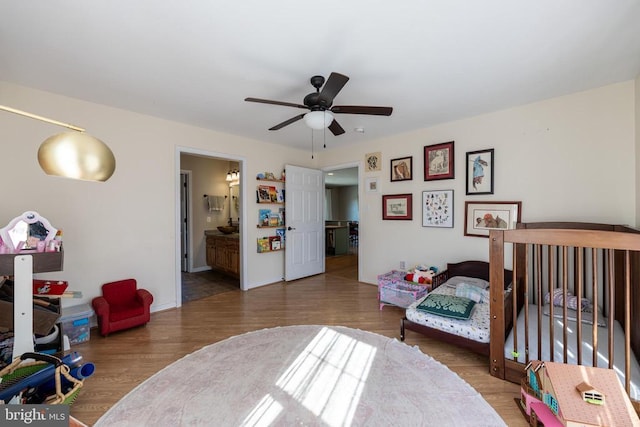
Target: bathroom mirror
[(25, 231)]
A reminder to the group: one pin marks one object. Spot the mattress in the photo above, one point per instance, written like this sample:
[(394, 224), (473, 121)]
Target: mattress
[(476, 328), (587, 346)]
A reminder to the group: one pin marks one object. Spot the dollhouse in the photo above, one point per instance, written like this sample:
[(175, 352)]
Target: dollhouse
[(571, 395)]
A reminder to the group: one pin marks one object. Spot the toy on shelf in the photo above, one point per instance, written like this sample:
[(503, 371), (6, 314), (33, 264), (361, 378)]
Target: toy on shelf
[(49, 287)]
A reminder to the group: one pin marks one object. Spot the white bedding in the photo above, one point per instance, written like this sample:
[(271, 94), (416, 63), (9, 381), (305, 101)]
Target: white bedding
[(587, 347), (476, 328)]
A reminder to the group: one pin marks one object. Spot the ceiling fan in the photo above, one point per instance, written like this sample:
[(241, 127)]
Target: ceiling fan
[(320, 105)]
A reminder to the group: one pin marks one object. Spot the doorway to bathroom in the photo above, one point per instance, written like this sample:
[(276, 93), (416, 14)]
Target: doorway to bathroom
[(209, 199)]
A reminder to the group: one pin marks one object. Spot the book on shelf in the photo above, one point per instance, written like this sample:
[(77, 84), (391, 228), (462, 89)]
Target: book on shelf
[(263, 217), (273, 193), (263, 194), (281, 232), (263, 244), (275, 220), (275, 243)]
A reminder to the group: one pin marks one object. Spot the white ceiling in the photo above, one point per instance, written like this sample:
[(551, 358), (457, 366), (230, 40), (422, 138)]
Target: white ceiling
[(433, 61)]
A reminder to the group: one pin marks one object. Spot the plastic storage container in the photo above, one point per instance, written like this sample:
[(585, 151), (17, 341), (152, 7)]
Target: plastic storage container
[(76, 323)]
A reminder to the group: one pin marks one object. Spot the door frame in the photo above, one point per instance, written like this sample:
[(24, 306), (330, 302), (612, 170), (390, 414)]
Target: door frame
[(359, 165), (185, 240), (243, 217)]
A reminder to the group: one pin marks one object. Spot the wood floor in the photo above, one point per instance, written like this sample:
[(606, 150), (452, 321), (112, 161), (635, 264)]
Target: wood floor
[(123, 360)]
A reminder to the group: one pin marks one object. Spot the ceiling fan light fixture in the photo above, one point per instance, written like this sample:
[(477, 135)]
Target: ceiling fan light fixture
[(318, 119)]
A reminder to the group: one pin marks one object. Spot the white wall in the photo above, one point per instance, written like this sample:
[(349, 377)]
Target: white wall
[(570, 158), (125, 227)]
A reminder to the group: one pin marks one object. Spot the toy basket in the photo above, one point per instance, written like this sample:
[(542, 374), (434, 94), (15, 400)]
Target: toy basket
[(46, 380)]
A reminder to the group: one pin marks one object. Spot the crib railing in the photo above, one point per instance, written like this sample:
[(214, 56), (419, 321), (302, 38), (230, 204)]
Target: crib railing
[(597, 265)]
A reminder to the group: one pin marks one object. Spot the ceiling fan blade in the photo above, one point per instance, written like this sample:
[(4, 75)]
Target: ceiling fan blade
[(361, 109), (287, 122), (268, 101), (334, 84), (335, 128)]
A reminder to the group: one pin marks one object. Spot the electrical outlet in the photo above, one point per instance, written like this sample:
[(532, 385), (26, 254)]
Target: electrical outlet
[(208, 219), (403, 265)]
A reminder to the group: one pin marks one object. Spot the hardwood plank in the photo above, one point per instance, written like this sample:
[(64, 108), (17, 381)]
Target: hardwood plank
[(125, 359)]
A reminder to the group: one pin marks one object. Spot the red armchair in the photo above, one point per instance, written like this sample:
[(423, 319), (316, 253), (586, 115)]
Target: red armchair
[(122, 306)]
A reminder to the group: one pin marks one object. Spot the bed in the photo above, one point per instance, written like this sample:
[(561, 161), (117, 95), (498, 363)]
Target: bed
[(573, 300), (472, 334)]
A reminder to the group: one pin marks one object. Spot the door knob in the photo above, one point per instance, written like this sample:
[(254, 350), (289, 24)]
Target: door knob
[(290, 228)]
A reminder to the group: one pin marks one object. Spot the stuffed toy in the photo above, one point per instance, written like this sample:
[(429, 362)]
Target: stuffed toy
[(422, 277)]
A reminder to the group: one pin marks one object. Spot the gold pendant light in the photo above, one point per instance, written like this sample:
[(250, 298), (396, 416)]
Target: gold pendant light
[(75, 155)]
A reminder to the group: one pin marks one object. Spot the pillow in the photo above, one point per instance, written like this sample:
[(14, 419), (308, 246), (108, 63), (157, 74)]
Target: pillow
[(474, 281), (447, 306), (472, 292), (572, 301), (587, 316)]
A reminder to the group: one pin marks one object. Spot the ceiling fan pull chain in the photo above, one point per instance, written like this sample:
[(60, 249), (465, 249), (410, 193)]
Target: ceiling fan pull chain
[(311, 143), (324, 132), (324, 137)]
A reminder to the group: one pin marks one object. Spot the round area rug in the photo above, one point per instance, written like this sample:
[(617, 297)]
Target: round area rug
[(304, 375)]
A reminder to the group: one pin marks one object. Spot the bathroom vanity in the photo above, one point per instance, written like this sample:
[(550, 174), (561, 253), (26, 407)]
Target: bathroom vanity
[(223, 252)]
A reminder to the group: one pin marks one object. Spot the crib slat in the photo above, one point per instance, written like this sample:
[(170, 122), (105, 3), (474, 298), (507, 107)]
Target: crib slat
[(610, 297), (594, 292), (552, 286), (565, 284), (526, 308), (540, 301), (627, 321), (580, 285)]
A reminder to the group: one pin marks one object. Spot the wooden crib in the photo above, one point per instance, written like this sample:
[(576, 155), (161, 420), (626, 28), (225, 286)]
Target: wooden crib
[(595, 262)]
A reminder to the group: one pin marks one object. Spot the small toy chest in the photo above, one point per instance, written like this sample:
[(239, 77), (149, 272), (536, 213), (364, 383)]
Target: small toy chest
[(394, 290)]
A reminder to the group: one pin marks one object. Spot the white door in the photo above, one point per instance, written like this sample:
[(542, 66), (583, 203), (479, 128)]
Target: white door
[(304, 199)]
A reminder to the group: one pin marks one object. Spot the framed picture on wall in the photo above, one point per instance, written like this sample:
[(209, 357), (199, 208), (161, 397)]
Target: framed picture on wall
[(372, 185), (437, 208), (373, 162), (481, 217), (402, 169), (397, 206), (480, 172), (439, 161)]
